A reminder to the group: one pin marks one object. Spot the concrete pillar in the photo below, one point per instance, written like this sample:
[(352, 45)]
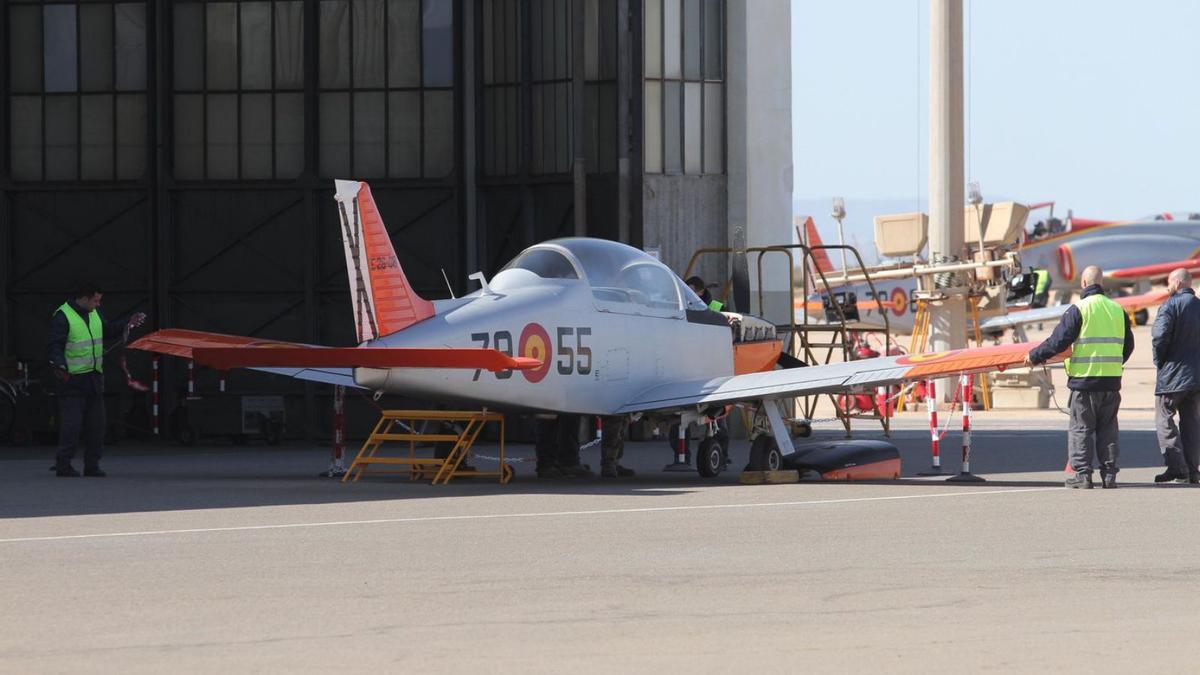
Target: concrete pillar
[(946, 190), (759, 128), (579, 163), (470, 186)]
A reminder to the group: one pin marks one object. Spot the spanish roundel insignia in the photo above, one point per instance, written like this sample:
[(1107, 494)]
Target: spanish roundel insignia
[(899, 301), (535, 344), (925, 358)]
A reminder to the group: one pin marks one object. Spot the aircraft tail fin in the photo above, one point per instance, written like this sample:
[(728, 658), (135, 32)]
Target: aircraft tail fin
[(383, 300), (811, 237)]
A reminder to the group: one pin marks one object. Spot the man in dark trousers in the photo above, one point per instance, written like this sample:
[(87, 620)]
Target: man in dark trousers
[(1098, 331), (557, 448), (76, 354), (1176, 340), (613, 429)]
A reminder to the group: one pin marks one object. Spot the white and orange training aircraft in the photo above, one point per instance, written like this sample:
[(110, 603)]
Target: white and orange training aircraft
[(577, 325)]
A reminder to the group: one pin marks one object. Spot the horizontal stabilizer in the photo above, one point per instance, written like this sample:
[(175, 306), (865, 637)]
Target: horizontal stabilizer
[(313, 362), (224, 358), (182, 343)]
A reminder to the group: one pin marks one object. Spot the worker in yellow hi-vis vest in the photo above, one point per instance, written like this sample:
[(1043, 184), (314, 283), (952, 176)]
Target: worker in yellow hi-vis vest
[(76, 353), (697, 285), (1101, 340)]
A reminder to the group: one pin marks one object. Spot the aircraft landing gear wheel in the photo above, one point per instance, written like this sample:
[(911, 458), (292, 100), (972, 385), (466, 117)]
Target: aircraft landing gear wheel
[(710, 457), (765, 455), (1141, 317)]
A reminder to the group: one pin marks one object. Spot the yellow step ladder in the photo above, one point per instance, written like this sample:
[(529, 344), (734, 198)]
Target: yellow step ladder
[(399, 426)]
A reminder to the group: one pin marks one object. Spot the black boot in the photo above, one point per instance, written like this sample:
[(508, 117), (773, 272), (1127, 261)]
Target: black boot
[(65, 471), (1108, 475), (615, 471), (1170, 476), (1080, 480)]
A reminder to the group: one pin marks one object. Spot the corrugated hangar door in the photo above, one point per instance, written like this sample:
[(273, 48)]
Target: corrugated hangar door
[(61, 239)]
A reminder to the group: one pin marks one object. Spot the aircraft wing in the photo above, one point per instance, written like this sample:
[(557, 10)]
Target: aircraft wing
[(1130, 303), (862, 375), (333, 365), (1153, 272), (1003, 322)]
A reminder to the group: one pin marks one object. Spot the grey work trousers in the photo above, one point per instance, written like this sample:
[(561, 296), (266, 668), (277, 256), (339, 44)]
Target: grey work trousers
[(1179, 441), (1093, 429)]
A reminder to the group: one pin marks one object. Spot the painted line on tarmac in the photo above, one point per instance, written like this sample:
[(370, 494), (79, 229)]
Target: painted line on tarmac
[(538, 514)]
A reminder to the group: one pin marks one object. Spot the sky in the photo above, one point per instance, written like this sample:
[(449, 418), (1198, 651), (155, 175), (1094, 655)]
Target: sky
[(1095, 105)]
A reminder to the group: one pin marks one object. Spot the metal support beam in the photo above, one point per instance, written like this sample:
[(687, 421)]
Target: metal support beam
[(578, 62), (7, 343), (470, 89), (625, 81), (946, 189)]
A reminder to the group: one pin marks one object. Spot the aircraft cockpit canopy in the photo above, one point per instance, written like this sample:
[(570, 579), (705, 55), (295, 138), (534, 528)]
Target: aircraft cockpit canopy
[(616, 272), (544, 262)]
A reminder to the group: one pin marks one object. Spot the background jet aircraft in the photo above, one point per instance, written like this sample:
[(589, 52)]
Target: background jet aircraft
[(1131, 253), (1128, 252), (578, 325)]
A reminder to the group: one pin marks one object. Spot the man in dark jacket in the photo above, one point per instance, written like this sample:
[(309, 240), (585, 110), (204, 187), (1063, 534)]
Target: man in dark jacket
[(1176, 340), (1101, 338), (76, 354)]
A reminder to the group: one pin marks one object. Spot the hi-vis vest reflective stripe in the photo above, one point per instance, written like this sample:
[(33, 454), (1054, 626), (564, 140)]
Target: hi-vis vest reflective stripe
[(1043, 281), (716, 305), (1100, 347), (85, 341)]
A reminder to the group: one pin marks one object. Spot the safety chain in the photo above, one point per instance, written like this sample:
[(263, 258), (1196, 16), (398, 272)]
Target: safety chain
[(1053, 398)]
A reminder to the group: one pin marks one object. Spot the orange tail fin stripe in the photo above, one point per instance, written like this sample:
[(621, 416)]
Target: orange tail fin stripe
[(397, 305)]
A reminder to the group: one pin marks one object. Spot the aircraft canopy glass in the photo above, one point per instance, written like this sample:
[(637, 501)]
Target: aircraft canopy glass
[(623, 274), (544, 262)]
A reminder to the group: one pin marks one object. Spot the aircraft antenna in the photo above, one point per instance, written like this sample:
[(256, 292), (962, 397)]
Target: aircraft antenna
[(448, 287)]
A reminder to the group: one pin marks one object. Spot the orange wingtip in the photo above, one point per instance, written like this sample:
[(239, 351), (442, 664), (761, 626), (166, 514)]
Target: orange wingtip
[(224, 358), (969, 360)]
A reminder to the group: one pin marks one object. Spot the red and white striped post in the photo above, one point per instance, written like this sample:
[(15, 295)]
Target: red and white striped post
[(599, 429), (154, 395), (965, 475), (336, 468), (221, 386), (935, 439)]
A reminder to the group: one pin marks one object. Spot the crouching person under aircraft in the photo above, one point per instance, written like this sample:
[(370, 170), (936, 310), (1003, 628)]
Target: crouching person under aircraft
[(557, 448), (613, 430), (1098, 331)]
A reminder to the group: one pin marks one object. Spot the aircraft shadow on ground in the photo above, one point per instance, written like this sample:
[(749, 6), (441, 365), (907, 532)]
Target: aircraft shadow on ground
[(157, 478)]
